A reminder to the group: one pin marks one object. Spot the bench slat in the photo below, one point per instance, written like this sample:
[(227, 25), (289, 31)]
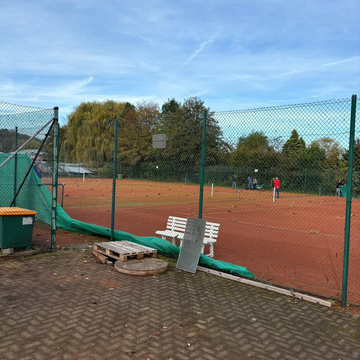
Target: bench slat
[(175, 229)]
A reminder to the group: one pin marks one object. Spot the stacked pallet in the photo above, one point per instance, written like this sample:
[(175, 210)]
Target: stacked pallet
[(131, 258), (124, 250)]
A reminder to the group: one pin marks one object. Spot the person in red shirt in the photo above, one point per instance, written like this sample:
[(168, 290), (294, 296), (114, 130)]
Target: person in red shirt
[(277, 187)]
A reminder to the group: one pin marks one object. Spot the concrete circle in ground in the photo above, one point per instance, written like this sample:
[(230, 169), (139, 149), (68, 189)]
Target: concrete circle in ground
[(146, 266)]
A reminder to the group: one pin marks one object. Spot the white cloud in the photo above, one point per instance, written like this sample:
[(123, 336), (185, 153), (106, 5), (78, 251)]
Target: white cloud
[(355, 58), (64, 53), (312, 68), (201, 48)]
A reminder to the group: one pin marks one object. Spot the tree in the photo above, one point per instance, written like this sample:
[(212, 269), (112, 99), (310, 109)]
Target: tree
[(294, 152), (294, 146), (183, 126), (89, 134), (256, 141), (135, 135), (7, 141), (356, 168), (333, 152), (254, 151), (170, 107), (314, 157)]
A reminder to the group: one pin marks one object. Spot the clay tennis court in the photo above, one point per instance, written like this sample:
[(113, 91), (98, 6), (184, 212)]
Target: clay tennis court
[(296, 241)]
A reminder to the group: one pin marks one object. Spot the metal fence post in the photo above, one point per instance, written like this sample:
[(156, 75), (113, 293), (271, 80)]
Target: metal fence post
[(348, 203), (114, 180), (55, 179), (15, 164), (203, 146)]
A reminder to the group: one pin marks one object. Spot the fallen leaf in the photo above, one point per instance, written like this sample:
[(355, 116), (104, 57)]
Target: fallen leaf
[(314, 232), (130, 352)]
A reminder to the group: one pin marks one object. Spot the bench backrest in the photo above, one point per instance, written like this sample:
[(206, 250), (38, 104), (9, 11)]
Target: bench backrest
[(178, 224), (212, 230)]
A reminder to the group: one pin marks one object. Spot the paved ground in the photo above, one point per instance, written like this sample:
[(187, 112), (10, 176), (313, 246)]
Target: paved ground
[(67, 306)]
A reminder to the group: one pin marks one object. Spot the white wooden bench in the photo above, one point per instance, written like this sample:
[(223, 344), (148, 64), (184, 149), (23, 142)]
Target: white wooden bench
[(175, 229)]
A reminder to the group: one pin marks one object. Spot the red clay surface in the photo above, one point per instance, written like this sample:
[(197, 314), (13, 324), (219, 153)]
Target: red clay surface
[(296, 241)]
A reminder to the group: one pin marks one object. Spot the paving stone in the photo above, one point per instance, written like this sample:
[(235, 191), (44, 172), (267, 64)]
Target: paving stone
[(58, 307)]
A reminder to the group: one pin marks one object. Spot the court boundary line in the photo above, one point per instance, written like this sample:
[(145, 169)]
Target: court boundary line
[(275, 227)]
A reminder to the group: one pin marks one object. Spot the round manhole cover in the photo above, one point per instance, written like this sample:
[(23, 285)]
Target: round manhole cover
[(146, 266)]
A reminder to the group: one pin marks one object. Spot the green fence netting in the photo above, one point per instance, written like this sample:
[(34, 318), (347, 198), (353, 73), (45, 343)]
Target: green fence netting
[(31, 131), (35, 196)]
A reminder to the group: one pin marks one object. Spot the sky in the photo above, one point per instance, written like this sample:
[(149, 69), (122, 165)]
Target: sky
[(232, 54)]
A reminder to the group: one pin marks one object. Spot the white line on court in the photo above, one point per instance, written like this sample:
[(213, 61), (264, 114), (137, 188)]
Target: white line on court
[(276, 228)]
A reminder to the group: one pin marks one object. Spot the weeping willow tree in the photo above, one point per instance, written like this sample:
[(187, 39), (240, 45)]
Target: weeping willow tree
[(89, 134)]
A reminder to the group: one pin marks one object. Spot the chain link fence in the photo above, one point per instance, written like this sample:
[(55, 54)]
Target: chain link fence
[(275, 179), (292, 237), (27, 169)]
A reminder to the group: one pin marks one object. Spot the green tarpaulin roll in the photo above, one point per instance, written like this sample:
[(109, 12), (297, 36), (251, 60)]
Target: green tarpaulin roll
[(37, 197)]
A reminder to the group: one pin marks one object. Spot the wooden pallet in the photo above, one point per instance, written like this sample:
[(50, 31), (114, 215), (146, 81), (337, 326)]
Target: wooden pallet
[(124, 250)]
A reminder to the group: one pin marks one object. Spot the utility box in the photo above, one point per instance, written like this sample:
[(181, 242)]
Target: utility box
[(16, 229)]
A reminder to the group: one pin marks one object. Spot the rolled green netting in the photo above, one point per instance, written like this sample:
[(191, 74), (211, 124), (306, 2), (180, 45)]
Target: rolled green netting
[(164, 247), (35, 196)]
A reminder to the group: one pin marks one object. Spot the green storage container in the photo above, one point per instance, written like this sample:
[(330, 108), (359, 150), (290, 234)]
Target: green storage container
[(120, 176), (16, 228)]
